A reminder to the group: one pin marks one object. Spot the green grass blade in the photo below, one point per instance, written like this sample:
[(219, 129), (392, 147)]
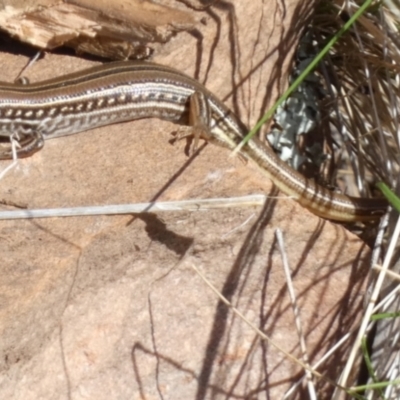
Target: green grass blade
[(388, 193)]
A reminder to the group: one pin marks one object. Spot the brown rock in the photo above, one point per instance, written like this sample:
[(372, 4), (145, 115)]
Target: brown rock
[(110, 307)]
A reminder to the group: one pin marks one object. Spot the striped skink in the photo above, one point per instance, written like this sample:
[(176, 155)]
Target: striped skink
[(125, 91)]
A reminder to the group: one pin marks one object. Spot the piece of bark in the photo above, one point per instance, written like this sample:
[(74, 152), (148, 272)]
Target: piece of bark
[(120, 29)]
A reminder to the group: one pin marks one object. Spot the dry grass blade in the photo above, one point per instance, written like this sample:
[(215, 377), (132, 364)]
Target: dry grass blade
[(359, 78), (362, 82)]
